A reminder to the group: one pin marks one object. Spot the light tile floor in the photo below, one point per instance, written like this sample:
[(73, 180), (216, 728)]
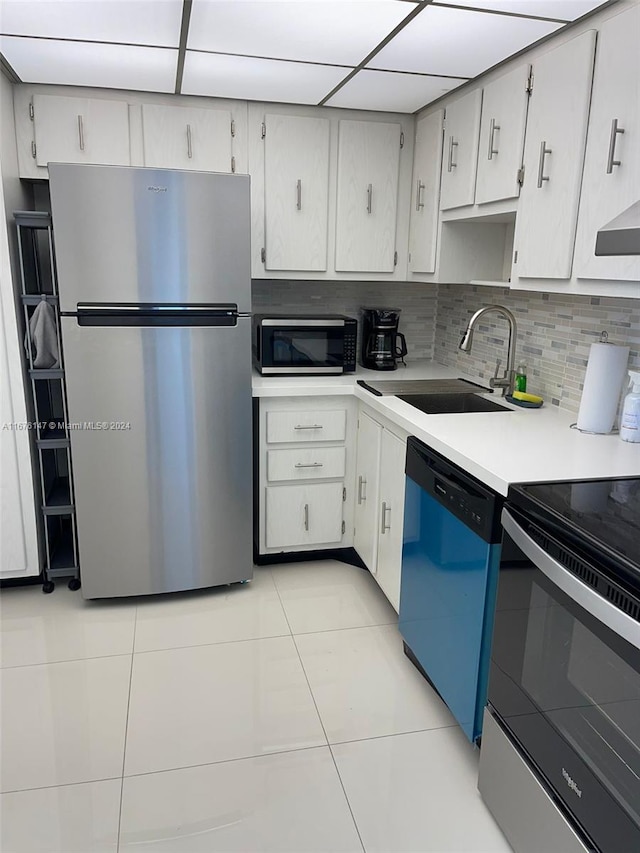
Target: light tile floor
[(279, 716)]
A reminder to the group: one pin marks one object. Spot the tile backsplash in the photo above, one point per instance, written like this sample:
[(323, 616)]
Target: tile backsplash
[(555, 332), (416, 301)]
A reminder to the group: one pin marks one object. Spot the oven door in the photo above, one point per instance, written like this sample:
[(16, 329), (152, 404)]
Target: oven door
[(565, 679), (302, 346)]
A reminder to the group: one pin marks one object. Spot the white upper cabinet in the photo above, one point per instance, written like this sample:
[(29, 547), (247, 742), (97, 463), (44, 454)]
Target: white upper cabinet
[(367, 196), (553, 160), (611, 181), (80, 130), (296, 192), (187, 138), (504, 116), (427, 161), (460, 159)]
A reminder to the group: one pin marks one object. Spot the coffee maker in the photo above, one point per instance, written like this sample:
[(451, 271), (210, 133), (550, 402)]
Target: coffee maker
[(380, 337)]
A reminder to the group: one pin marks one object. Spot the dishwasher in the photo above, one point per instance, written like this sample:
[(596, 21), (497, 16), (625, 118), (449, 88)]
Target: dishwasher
[(450, 564)]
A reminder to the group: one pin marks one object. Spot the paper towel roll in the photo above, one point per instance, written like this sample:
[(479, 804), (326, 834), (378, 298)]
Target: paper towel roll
[(603, 380)]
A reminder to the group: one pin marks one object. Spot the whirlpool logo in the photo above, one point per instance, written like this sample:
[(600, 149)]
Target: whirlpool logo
[(571, 783), (154, 189)]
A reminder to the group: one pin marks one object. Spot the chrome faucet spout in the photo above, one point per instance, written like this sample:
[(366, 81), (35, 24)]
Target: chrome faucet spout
[(506, 382)]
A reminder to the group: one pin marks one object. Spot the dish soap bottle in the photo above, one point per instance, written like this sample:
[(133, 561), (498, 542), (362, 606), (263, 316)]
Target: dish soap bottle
[(630, 425), (520, 383)]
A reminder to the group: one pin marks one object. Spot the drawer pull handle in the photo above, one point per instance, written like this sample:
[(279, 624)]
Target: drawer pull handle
[(611, 161), (298, 194), (189, 147), (369, 197), (384, 526), (309, 465), (306, 516), (308, 426), (81, 133), (362, 489)]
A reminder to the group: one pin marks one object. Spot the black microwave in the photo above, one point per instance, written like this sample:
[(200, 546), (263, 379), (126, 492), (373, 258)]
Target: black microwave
[(306, 344)]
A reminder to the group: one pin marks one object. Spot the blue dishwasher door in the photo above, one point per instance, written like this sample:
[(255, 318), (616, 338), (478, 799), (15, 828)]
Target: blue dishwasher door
[(447, 599)]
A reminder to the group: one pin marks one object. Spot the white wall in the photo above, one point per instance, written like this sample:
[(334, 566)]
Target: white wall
[(18, 531)]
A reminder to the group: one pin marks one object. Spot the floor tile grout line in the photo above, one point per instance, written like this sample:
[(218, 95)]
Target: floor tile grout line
[(227, 760), (61, 785), (126, 729), (218, 643), (315, 704), (344, 628), (64, 660)]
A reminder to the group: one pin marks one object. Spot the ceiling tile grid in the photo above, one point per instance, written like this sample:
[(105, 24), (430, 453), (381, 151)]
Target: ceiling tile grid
[(389, 55)]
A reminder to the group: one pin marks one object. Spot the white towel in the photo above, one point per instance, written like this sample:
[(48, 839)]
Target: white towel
[(44, 336)]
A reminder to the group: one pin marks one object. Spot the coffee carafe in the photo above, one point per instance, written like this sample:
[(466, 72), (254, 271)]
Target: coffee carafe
[(382, 343)]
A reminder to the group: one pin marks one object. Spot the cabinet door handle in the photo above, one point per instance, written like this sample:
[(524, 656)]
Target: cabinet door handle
[(452, 144), (81, 132), (369, 197), (362, 489), (298, 194), (419, 188), (615, 130), (189, 148), (543, 153), (492, 132), (384, 526), (308, 426), (306, 516), (309, 465)]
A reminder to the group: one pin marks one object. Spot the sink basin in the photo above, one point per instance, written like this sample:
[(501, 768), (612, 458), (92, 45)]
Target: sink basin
[(444, 404)]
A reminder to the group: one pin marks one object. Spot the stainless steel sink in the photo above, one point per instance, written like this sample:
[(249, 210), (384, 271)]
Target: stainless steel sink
[(444, 404)]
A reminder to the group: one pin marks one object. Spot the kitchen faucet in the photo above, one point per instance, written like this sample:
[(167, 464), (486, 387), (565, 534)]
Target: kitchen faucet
[(506, 382)]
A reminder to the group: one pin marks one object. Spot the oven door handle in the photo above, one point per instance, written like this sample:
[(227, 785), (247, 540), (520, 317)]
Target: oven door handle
[(601, 609)]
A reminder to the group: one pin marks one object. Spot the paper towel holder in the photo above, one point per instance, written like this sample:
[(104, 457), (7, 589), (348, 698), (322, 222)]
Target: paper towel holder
[(604, 339)]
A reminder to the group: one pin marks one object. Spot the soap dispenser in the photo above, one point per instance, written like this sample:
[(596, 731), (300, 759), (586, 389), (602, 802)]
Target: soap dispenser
[(630, 424)]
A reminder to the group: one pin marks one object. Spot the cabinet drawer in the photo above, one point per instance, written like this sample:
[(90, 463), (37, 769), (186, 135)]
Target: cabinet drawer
[(306, 426), (306, 463), (304, 515)]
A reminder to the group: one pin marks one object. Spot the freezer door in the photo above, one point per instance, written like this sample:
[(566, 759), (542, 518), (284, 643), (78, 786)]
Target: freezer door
[(161, 449), (134, 235)]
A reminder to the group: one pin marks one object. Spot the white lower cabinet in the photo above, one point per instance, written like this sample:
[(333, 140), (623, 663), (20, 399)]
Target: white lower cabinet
[(379, 509), (304, 515), (306, 469), (365, 538)]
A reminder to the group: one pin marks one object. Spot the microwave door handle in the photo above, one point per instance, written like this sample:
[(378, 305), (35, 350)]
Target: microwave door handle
[(601, 609)]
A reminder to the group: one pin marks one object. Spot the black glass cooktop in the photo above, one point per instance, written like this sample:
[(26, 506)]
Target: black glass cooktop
[(604, 514)]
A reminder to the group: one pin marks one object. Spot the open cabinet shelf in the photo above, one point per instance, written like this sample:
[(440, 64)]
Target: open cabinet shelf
[(47, 402)]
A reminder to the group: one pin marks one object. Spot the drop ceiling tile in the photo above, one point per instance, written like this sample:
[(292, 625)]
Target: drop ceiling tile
[(566, 10), (110, 66), (392, 91), (150, 22), (336, 31), (458, 42), (224, 76)]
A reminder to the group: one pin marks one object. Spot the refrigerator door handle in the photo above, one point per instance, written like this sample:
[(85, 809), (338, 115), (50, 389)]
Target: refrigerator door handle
[(141, 307), (144, 314)]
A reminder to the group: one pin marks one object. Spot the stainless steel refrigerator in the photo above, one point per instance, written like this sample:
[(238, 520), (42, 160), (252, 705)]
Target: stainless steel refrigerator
[(155, 294)]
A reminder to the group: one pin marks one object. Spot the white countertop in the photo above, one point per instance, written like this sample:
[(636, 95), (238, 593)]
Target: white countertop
[(499, 448)]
